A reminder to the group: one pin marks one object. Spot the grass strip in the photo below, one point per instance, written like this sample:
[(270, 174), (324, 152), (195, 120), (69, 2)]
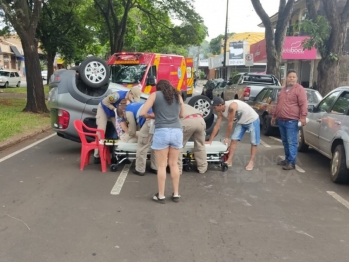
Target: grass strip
[(14, 122), (20, 90)]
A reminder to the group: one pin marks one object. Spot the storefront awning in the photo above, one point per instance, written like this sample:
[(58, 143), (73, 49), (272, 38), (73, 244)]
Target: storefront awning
[(15, 51)]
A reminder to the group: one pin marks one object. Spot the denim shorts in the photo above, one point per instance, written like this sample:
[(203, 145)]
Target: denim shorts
[(167, 137), (254, 129)]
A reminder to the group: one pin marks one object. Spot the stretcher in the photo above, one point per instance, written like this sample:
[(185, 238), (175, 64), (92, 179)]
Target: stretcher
[(217, 152)]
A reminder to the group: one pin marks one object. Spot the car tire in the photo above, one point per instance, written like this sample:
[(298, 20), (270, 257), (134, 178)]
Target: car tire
[(94, 72), (18, 84), (302, 146), (203, 104), (184, 96), (339, 171), (267, 128), (6, 85)]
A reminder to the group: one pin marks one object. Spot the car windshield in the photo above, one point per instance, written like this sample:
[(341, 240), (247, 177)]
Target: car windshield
[(313, 96), (127, 74), (4, 73)]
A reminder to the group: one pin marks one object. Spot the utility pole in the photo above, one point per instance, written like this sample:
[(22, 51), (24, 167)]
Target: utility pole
[(225, 45)]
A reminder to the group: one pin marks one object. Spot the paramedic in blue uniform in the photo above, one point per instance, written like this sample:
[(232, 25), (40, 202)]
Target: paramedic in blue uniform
[(145, 137), (107, 107)]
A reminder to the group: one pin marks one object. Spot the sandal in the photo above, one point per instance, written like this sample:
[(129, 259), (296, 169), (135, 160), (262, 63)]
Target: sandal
[(175, 198), (159, 200)]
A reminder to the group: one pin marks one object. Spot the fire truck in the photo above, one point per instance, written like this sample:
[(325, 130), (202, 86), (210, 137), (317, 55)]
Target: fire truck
[(136, 68)]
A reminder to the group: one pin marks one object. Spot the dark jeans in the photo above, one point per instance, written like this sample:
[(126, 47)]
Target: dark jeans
[(289, 137)]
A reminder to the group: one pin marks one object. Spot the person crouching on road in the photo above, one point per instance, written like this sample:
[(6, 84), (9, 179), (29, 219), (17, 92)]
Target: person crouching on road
[(167, 104), (135, 121), (194, 126), (291, 107), (121, 123), (145, 137), (246, 120), (107, 107)]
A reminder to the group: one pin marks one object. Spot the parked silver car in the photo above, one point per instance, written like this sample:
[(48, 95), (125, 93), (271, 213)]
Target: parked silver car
[(328, 132), (265, 102)]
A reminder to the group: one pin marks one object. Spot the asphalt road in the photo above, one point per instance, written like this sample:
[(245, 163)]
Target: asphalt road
[(51, 211)]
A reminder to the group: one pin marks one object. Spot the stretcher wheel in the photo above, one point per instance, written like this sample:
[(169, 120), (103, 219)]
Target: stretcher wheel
[(187, 168), (224, 167), (113, 167)]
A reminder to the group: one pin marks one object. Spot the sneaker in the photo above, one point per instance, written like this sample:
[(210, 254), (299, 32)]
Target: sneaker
[(96, 160), (282, 163), (159, 200), (288, 166), (175, 198), (138, 173)]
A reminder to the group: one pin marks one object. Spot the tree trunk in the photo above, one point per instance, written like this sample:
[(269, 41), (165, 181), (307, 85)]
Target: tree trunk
[(273, 65), (50, 61), (35, 89), (328, 75), (274, 38), (328, 68)]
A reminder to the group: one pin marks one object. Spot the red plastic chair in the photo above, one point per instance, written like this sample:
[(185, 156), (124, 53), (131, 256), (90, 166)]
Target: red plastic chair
[(87, 147)]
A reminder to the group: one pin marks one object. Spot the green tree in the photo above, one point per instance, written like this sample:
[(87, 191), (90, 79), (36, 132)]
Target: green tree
[(116, 14), (23, 16), (216, 43), (60, 30), (275, 38), (328, 35)]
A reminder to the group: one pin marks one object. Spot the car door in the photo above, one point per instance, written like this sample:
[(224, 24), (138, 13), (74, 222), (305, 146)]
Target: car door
[(17, 78), (12, 79), (312, 129), (230, 90), (332, 123), (257, 103)]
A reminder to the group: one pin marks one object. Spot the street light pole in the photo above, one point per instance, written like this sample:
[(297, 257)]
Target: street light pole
[(225, 45)]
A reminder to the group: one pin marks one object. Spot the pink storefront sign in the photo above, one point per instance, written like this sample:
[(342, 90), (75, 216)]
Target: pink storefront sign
[(293, 50)]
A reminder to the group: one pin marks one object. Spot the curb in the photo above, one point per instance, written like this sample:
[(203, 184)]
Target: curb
[(22, 137)]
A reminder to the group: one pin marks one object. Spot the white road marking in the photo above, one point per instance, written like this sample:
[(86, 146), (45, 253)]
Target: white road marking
[(25, 148), (121, 180), (339, 198), (264, 144), (276, 139), (300, 170)]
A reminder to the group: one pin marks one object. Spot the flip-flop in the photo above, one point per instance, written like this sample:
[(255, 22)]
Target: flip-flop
[(229, 165), (249, 168)]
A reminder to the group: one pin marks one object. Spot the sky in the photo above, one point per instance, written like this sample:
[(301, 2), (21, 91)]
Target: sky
[(241, 15)]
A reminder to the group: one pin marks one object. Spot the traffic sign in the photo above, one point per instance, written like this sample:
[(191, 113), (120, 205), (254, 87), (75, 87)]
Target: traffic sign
[(249, 60)]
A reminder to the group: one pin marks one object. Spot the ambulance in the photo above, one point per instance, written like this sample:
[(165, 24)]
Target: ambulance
[(141, 69)]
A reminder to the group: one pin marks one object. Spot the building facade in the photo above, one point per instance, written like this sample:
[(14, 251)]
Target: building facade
[(305, 62), (12, 55)]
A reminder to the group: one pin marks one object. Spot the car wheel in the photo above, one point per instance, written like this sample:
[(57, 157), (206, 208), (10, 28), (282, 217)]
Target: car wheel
[(184, 96), (339, 171), (18, 84), (302, 146), (6, 85), (94, 72), (203, 104), (267, 128)]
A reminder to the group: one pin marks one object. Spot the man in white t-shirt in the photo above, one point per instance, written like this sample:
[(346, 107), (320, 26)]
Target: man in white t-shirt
[(245, 119)]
